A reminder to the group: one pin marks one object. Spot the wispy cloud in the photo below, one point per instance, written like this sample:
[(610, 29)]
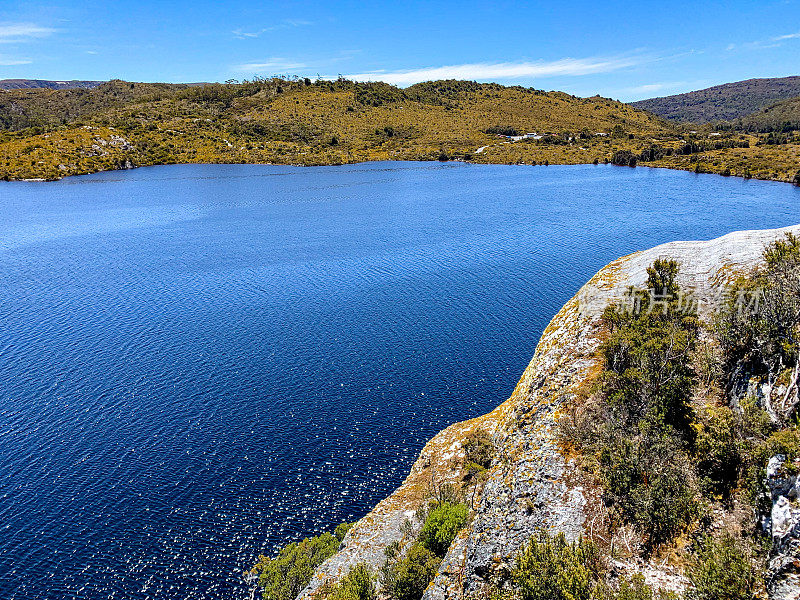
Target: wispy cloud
[(272, 65), (773, 42), (243, 34), (7, 61), (654, 87), (283, 65), (20, 32), (506, 70)]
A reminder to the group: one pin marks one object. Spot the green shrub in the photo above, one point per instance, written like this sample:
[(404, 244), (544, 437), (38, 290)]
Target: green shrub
[(285, 576), (342, 529), (648, 370), (719, 451), (478, 450), (633, 589), (441, 527), (628, 589), (643, 428), (408, 577), (553, 569), (757, 328), (358, 584), (721, 570), (649, 482)]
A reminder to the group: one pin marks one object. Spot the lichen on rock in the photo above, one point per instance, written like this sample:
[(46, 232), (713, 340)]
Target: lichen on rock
[(532, 484)]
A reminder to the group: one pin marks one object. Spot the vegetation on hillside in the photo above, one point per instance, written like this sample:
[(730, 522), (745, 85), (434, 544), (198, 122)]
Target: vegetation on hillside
[(779, 118), (670, 437), (722, 102), (17, 84), (284, 576), (49, 134)]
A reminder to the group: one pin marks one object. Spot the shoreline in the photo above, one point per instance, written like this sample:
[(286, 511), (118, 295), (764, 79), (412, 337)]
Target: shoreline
[(359, 162)]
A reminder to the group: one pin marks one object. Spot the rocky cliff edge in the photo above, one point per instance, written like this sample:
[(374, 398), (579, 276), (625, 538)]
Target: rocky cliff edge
[(531, 483)]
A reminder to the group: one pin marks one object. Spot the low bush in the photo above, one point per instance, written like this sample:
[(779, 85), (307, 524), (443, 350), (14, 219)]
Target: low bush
[(284, 576), (358, 584), (649, 482), (722, 569), (554, 569), (407, 577), (441, 527), (478, 450)]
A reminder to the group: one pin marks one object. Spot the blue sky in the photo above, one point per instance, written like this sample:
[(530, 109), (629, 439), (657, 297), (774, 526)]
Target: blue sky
[(626, 50)]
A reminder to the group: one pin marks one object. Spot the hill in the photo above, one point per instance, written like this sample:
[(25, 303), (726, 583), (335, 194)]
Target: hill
[(780, 117), (53, 133), (49, 134), (16, 84), (723, 102)]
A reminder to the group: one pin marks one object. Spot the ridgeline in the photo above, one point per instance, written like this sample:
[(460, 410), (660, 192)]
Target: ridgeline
[(49, 134)]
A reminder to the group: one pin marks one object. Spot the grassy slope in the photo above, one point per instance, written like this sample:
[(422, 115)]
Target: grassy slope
[(53, 133)]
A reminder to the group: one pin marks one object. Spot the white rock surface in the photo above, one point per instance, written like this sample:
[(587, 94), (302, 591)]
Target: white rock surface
[(530, 485)]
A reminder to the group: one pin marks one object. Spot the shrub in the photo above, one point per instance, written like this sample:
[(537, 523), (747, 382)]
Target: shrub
[(634, 588), (342, 529), (285, 576), (648, 367), (624, 158), (441, 527), (478, 450), (553, 569), (358, 584), (650, 483), (640, 423), (718, 451), (757, 328), (796, 179), (721, 570), (502, 130), (409, 577)]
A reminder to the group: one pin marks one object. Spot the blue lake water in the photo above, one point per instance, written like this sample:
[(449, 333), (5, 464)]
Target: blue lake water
[(199, 363)]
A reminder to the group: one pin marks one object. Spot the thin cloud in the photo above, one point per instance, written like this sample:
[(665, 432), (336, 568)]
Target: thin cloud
[(6, 61), (773, 42), (242, 34), (272, 65), (18, 32), (653, 87), (505, 70)]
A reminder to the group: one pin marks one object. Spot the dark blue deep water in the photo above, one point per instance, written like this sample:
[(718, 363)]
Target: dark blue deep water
[(199, 363)]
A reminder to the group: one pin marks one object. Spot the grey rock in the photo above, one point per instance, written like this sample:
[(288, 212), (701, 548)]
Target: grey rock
[(531, 485)]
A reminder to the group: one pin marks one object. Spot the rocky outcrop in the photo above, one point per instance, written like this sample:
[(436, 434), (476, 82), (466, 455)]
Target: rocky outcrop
[(531, 484), (783, 522)]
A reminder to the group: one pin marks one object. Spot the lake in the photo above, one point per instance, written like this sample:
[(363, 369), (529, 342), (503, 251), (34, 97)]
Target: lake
[(200, 363)]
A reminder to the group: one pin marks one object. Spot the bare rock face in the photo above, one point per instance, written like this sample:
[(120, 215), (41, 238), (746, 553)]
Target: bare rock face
[(783, 522), (531, 484)]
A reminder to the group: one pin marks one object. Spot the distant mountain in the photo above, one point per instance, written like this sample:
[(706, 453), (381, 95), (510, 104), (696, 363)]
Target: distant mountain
[(19, 84), (723, 102)]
